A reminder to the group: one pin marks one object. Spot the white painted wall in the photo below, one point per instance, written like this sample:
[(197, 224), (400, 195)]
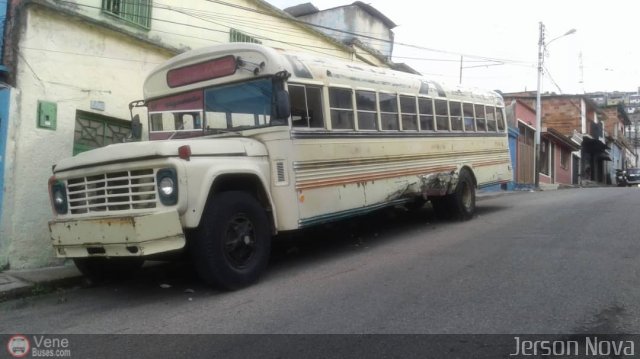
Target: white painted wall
[(52, 67)]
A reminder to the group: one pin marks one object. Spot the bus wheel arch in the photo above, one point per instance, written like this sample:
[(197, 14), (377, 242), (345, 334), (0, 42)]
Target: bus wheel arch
[(461, 202), (232, 245), (243, 182)]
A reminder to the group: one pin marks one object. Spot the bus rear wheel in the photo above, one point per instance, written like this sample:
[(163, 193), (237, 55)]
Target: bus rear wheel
[(461, 204), (231, 247)]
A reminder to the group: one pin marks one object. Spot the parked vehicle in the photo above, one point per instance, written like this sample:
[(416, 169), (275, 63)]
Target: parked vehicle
[(621, 177), (633, 176), (247, 141)]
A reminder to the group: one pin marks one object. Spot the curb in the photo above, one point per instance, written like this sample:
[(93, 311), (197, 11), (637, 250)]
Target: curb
[(24, 283)]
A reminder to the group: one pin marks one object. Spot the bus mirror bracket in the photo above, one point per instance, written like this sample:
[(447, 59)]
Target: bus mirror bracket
[(136, 128), (136, 125)]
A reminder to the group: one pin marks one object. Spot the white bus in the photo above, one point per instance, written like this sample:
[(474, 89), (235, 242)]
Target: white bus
[(246, 141)]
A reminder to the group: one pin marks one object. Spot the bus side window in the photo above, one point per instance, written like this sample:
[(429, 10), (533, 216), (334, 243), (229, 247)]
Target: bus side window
[(455, 111), (467, 112), (500, 119), (341, 104), (425, 105), (388, 111), (314, 107), (306, 106), (481, 121), (367, 113), (491, 119), (442, 115), (298, 99), (408, 113)]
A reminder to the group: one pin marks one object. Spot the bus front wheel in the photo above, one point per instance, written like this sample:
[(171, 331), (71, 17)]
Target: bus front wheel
[(232, 245)]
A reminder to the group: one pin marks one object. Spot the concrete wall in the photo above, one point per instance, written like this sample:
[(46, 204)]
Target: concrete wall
[(52, 68)]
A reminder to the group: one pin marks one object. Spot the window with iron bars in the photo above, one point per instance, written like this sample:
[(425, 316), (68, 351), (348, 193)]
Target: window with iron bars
[(237, 36), (135, 11)]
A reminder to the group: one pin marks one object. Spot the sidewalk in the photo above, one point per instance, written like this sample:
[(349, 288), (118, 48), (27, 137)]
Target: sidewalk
[(20, 283)]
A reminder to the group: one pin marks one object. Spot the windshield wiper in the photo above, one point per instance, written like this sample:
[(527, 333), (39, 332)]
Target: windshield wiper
[(217, 131)]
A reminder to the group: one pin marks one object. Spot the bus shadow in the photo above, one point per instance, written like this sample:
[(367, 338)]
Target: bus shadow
[(346, 237), (299, 249)]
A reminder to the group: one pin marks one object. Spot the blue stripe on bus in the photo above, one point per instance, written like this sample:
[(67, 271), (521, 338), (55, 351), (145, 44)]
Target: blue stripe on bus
[(332, 217)]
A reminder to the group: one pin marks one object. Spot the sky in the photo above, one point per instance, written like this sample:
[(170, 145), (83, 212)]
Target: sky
[(602, 55)]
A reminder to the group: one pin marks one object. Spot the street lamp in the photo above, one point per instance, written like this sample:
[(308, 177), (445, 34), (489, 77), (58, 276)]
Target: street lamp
[(541, 49)]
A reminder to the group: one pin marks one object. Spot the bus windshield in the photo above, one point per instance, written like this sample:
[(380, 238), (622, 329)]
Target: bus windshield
[(239, 106), (232, 107)]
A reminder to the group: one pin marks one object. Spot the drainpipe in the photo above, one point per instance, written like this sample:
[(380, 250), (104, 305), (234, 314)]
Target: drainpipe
[(3, 24)]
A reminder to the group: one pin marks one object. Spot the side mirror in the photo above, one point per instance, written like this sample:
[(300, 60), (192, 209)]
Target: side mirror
[(283, 106), (136, 128)]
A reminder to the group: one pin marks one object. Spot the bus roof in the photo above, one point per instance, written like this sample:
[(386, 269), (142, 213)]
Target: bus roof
[(207, 66)]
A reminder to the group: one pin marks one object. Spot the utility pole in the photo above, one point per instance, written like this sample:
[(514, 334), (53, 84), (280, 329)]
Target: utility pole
[(536, 157)]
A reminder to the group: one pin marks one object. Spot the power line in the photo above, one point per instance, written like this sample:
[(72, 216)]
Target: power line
[(292, 19)]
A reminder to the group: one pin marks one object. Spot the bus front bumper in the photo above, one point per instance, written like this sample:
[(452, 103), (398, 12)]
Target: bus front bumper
[(123, 236)]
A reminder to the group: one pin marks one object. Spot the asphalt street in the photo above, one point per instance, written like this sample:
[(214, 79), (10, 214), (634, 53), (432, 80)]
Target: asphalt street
[(564, 261)]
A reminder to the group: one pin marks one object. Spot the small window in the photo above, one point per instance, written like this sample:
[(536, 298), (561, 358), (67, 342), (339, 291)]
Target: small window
[(388, 111), (341, 106), (442, 115), (481, 121), (467, 113), (94, 131), (367, 114), (306, 106), (426, 114), (455, 111), (237, 36), (408, 113), (491, 119), (135, 11), (500, 120)]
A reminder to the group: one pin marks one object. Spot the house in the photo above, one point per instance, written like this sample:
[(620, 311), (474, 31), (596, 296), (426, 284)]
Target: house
[(70, 69), (556, 160), (351, 24), (615, 133), (577, 118)]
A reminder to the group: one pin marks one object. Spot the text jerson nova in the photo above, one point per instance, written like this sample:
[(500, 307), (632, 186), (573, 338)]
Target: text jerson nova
[(591, 346)]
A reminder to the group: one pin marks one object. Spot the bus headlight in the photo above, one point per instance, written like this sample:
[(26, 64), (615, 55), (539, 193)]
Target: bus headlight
[(59, 197), (167, 181)]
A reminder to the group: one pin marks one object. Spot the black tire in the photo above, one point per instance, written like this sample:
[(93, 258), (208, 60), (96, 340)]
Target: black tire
[(100, 269), (461, 204), (231, 247)]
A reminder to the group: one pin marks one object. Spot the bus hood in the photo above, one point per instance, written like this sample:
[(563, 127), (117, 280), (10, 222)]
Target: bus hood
[(131, 151)]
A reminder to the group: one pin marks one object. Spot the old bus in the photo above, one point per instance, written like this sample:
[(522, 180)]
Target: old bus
[(246, 141)]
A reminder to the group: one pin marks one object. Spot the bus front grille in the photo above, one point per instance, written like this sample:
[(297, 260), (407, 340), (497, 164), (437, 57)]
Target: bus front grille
[(112, 191)]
